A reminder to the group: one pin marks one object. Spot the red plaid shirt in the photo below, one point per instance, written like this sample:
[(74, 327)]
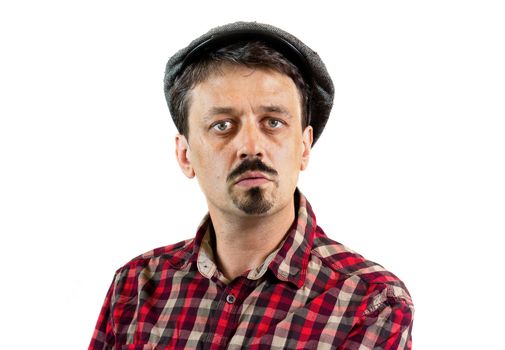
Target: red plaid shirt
[(311, 293)]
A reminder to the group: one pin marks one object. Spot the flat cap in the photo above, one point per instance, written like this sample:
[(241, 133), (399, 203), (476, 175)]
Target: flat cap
[(312, 68)]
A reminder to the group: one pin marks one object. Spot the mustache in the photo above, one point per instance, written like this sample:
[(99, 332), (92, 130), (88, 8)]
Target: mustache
[(250, 165)]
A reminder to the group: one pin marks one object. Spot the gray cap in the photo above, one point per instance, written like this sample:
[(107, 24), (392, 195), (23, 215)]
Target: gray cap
[(312, 68)]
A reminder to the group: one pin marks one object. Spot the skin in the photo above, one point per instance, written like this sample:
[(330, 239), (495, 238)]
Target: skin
[(237, 114)]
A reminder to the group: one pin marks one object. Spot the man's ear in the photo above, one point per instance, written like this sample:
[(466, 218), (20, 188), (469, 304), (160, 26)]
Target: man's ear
[(306, 147), (183, 154)]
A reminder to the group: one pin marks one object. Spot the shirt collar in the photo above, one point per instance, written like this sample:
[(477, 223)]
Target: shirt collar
[(288, 262)]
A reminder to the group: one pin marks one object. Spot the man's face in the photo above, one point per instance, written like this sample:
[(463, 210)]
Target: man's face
[(246, 145)]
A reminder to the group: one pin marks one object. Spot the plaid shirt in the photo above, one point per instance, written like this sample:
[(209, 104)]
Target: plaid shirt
[(310, 293)]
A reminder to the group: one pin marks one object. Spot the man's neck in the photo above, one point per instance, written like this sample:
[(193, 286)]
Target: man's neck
[(243, 243)]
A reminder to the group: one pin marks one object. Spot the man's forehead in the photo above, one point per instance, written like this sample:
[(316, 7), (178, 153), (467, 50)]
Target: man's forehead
[(261, 90)]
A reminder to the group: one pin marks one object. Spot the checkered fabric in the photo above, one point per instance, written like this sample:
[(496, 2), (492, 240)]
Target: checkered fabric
[(311, 293)]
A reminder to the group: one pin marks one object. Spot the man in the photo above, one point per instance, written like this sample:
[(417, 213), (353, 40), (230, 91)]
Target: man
[(249, 101)]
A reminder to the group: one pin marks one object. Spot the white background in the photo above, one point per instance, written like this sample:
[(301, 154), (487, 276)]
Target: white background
[(409, 171)]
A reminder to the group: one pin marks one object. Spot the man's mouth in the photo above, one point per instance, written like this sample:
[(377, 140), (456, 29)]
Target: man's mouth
[(251, 179)]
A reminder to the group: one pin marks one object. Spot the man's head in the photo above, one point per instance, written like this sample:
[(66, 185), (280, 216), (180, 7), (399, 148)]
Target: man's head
[(242, 105)]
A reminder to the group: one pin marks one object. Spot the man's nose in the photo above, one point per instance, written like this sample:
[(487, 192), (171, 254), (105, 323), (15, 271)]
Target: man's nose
[(250, 141)]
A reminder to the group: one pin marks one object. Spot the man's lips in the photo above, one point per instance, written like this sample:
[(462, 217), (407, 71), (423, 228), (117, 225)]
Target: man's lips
[(252, 179)]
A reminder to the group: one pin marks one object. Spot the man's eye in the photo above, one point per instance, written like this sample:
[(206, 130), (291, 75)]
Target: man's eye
[(221, 126), (274, 123)]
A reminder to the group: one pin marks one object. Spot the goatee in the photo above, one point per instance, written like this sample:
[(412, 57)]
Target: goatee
[(254, 202)]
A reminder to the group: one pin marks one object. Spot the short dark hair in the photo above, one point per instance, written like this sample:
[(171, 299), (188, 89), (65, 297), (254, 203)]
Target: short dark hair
[(253, 54)]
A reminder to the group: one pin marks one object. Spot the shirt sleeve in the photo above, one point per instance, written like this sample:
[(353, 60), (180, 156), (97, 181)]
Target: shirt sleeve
[(103, 337), (386, 324)]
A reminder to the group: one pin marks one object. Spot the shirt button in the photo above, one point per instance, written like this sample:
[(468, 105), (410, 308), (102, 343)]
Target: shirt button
[(230, 298)]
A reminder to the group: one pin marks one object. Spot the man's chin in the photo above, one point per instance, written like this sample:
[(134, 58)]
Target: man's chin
[(253, 201)]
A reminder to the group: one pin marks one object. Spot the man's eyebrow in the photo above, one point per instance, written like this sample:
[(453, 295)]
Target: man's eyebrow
[(220, 110), (233, 112), (275, 109)]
